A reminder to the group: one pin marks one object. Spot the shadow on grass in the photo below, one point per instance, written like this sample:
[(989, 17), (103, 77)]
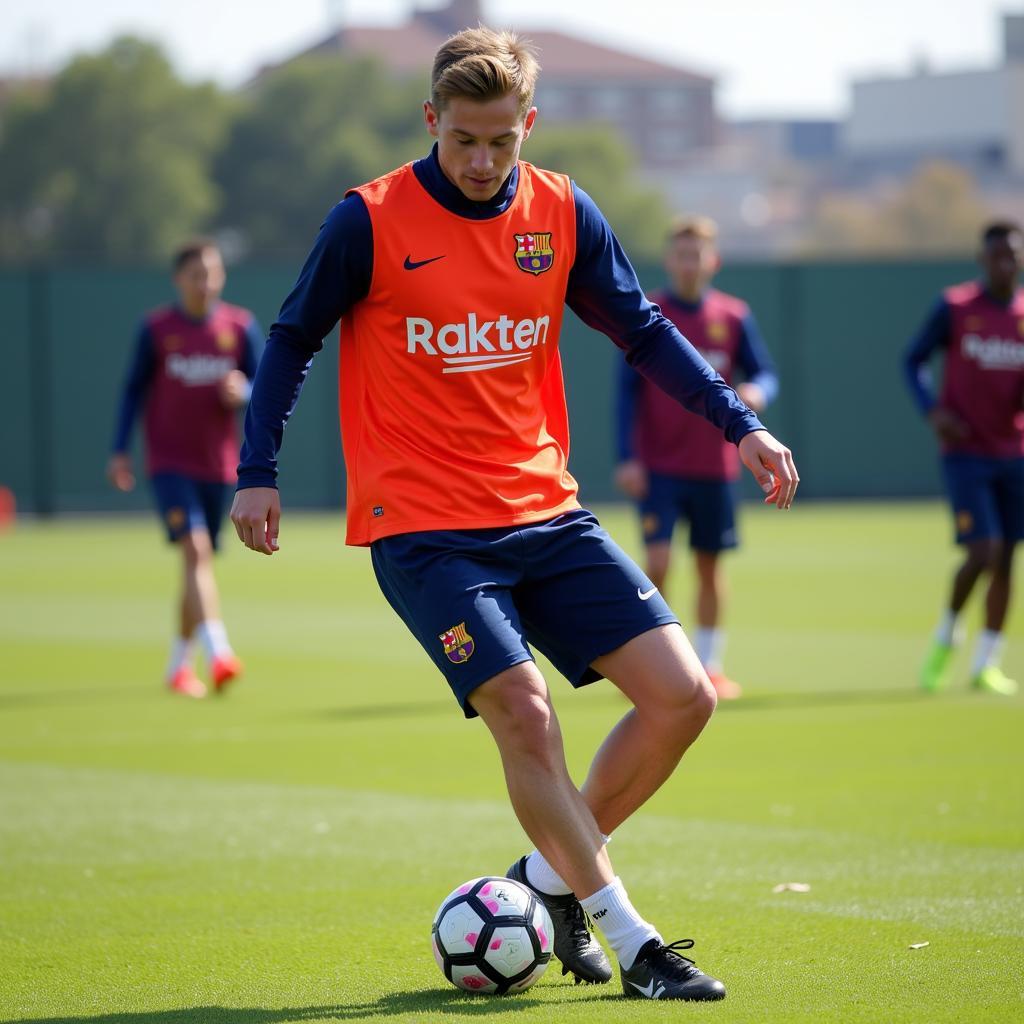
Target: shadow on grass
[(778, 701), (411, 709), (92, 695), (824, 698), (431, 1002)]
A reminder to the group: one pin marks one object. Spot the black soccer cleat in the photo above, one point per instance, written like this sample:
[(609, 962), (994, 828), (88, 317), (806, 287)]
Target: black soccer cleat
[(578, 950), (662, 972)]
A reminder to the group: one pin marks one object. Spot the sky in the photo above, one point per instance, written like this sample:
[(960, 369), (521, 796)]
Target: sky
[(782, 57)]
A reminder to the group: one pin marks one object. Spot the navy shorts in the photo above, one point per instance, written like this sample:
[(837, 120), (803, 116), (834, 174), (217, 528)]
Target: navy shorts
[(186, 504), (708, 505), (477, 600), (987, 496)]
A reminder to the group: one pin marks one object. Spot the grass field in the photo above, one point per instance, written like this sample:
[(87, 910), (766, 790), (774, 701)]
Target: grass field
[(277, 855)]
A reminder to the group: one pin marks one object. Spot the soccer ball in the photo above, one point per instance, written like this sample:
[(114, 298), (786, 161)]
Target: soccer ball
[(492, 935)]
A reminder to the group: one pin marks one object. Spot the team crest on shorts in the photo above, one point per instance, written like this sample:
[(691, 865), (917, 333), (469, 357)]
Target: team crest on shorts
[(458, 644), (534, 253)]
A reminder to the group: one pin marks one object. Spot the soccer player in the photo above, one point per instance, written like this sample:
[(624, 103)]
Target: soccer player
[(979, 422), (450, 276), (192, 369), (674, 463)]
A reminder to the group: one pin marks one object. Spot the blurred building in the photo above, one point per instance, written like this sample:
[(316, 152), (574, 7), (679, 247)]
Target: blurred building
[(973, 117), (664, 111), (762, 180)]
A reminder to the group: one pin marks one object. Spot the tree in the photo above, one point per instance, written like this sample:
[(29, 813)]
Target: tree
[(111, 161), (604, 167), (307, 132), (937, 211)]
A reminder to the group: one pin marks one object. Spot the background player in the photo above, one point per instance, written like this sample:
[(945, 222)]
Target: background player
[(450, 276), (676, 464), (978, 419), (191, 370)]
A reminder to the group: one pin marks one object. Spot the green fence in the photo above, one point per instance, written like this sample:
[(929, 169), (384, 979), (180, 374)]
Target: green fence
[(835, 330)]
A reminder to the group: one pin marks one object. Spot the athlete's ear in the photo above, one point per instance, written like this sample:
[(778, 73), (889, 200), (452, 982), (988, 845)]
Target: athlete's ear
[(430, 118), (531, 116)]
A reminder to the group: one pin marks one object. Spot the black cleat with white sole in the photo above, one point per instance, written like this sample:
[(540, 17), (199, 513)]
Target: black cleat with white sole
[(580, 953), (662, 972)]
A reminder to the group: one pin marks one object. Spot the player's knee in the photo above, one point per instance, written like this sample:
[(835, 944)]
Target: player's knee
[(689, 699), (197, 548), (982, 554), (522, 720), (1002, 559)]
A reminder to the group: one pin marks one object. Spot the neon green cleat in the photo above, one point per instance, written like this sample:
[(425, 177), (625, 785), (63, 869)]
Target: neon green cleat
[(935, 670), (992, 680)]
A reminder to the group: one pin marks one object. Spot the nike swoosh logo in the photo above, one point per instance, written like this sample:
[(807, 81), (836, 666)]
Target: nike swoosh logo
[(645, 596), (409, 265), (648, 990)]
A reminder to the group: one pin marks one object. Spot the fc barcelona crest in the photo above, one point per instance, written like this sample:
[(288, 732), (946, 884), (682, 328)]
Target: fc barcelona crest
[(458, 644), (534, 253)]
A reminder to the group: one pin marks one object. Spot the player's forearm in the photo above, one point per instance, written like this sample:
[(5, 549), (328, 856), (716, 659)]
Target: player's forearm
[(140, 373), (625, 411), (667, 359), (930, 338), (275, 391)]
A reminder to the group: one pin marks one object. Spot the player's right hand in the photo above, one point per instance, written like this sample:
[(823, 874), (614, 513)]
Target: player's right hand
[(119, 471), (256, 513), (631, 478), (947, 425)]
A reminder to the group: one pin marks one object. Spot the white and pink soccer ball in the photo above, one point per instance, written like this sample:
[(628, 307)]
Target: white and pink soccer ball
[(492, 935)]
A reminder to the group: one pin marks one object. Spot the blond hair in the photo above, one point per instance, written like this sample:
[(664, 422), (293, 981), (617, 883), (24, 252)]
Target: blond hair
[(702, 228), (481, 64)]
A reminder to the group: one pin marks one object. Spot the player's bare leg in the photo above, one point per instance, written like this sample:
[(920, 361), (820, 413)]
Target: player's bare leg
[(985, 671), (672, 701), (658, 557), (200, 600), (195, 549), (979, 556), (516, 707), (711, 595), (200, 607), (710, 588), (997, 600)]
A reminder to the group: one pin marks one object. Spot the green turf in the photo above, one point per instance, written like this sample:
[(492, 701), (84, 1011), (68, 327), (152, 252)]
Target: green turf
[(277, 855)]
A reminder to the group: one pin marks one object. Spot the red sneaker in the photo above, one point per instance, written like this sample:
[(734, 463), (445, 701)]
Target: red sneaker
[(187, 683), (724, 686), (223, 669)]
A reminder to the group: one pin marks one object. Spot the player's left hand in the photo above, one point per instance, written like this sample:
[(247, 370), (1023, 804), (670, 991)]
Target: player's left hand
[(772, 464), (233, 389), (752, 395)]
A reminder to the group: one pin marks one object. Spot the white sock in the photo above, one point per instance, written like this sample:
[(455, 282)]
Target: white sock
[(214, 638), (626, 931), (987, 650), (710, 646), (181, 655), (543, 876), (946, 632)]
